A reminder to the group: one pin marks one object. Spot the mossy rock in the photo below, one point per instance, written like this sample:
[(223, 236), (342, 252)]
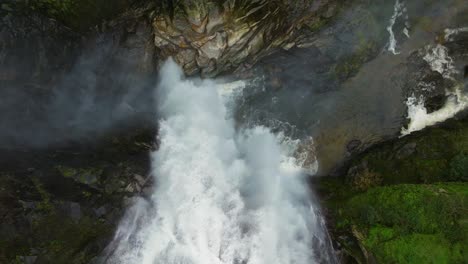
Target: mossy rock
[(459, 167), (89, 175), (57, 240), (67, 241), (433, 155), (46, 231), (408, 223)]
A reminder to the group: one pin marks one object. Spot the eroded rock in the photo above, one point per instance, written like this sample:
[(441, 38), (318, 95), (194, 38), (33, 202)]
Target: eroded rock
[(212, 37)]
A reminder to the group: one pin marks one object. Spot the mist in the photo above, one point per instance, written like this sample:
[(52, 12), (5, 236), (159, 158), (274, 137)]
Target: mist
[(68, 89), (222, 195)]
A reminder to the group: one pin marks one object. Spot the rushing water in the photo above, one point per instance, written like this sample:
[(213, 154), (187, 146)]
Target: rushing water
[(222, 195), (399, 11)]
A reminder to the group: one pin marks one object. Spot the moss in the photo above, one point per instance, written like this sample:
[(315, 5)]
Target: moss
[(366, 179), (397, 222), (435, 155), (45, 204), (66, 241), (390, 247), (66, 172), (412, 208), (459, 168), (317, 24), (408, 223), (88, 175), (56, 239)]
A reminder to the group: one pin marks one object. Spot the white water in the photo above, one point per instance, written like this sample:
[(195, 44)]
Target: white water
[(222, 196), (420, 118), (399, 10), (450, 32), (438, 59)]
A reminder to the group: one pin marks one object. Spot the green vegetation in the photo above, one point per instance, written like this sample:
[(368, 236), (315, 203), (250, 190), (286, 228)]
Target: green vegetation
[(391, 247), (436, 155), (58, 239), (89, 175), (411, 223), (459, 168), (68, 244), (405, 201), (52, 234), (45, 204), (411, 208)]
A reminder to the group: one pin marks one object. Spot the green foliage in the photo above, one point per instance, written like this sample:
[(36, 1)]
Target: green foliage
[(67, 172), (411, 208), (411, 223), (390, 247), (459, 168), (59, 239), (407, 223), (54, 7), (45, 203), (65, 241), (88, 175)]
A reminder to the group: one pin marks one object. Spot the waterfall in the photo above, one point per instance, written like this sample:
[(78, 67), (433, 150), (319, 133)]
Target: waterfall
[(399, 10), (222, 195)]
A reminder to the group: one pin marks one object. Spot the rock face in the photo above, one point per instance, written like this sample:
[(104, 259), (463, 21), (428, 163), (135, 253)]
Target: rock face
[(434, 71), (62, 205), (34, 46), (52, 78), (211, 37)]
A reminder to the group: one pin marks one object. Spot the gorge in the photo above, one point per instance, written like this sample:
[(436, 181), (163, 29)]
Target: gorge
[(318, 131)]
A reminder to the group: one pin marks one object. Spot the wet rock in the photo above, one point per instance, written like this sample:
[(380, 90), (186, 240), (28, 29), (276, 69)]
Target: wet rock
[(140, 180), (72, 210), (353, 145), (28, 259), (75, 212), (221, 36), (456, 41), (48, 209), (33, 45), (100, 212), (406, 150), (423, 83), (58, 76), (147, 191), (433, 72)]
